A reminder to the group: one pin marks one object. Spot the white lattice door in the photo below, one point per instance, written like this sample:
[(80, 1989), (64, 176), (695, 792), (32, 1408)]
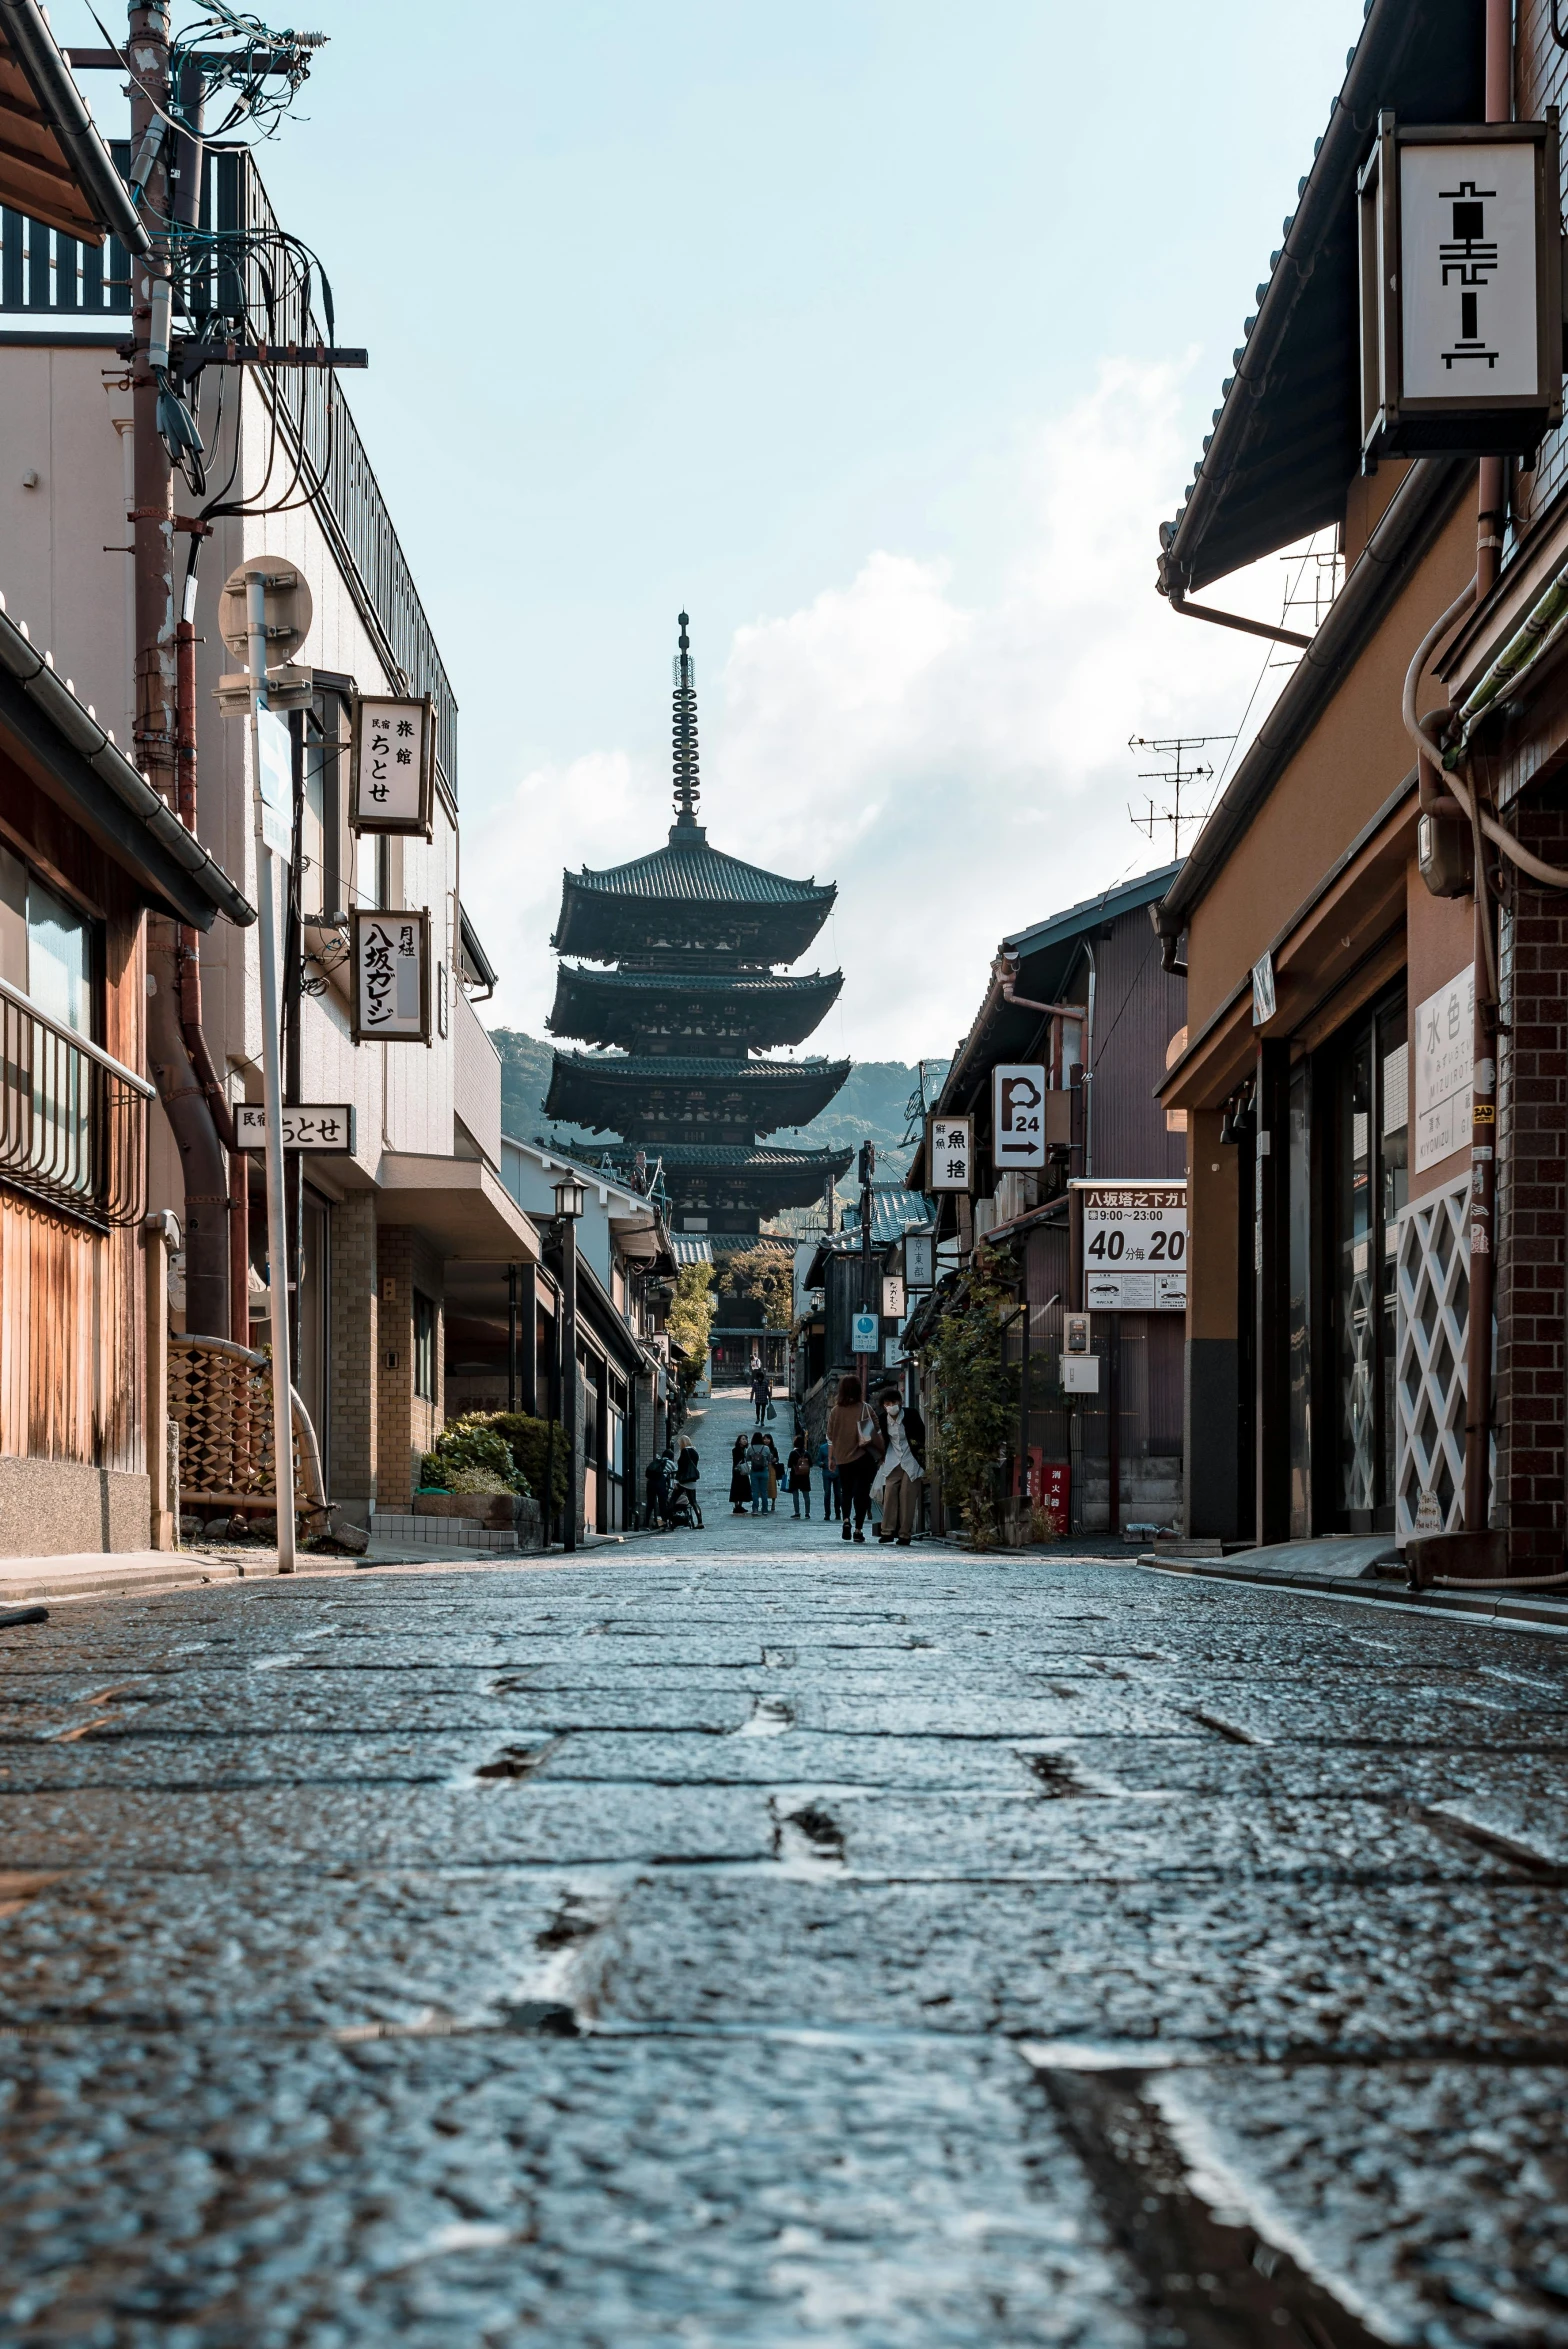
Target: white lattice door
[(1429, 1382)]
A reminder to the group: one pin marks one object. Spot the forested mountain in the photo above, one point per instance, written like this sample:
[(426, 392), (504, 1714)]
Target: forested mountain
[(870, 1106)]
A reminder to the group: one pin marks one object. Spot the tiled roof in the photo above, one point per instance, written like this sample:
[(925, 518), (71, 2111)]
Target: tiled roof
[(699, 875), (638, 1067), (1122, 897), (761, 983), (747, 1156), (894, 1211)]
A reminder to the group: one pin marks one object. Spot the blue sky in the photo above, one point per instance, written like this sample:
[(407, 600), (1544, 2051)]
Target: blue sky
[(881, 336)]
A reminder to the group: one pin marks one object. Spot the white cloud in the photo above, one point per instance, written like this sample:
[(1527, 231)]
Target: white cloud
[(959, 767)]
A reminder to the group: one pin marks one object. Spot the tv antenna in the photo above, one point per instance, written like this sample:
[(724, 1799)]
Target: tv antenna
[(1179, 773)]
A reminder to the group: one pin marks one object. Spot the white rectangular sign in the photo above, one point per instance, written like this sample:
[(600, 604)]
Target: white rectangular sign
[(1468, 285), (951, 1155), (1018, 1116), (392, 763), (275, 783), (866, 1334), (1445, 1064), (919, 1260), (328, 1126), (391, 977), (1134, 1247), (893, 1296)]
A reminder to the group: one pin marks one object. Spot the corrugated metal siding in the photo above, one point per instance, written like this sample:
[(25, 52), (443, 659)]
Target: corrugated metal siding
[(1138, 1008)]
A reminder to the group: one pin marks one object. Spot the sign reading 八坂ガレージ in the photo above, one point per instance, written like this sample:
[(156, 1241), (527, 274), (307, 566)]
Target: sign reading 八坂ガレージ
[(950, 1156), (391, 977), (1445, 1066), (1134, 1246), (393, 763)]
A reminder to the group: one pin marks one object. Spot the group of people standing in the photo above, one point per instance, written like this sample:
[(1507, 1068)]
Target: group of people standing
[(871, 1453)]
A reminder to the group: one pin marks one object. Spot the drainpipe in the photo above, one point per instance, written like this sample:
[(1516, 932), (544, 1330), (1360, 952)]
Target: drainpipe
[(1088, 1067), (1490, 516)]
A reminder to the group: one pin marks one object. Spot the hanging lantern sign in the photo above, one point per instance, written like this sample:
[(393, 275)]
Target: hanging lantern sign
[(1461, 289), (391, 961), (393, 760)]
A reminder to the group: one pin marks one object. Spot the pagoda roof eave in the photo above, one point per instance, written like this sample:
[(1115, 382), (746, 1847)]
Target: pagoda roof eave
[(611, 1007)]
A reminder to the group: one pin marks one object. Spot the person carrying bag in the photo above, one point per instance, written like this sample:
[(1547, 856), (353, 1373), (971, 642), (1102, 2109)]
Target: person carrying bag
[(855, 1446), (898, 1480)]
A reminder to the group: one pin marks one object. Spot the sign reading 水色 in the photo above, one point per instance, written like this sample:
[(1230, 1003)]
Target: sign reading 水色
[(1018, 1116), (318, 1126), (950, 1155), (1134, 1247), (1445, 1067), (391, 956), (392, 763)]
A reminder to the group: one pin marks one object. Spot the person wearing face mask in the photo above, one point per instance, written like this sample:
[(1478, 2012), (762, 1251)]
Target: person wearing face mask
[(902, 1472)]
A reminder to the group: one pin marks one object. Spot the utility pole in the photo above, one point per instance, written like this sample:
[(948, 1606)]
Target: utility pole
[(868, 1167)]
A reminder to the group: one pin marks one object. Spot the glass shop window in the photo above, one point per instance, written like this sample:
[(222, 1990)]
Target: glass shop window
[(424, 1347), (46, 946), (1370, 1185)]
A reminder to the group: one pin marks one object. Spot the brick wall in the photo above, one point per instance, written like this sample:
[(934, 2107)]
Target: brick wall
[(406, 1424), (351, 1469), (1532, 1301)]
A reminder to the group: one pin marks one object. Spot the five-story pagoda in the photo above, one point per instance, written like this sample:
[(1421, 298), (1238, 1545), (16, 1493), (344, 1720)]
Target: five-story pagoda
[(690, 991)]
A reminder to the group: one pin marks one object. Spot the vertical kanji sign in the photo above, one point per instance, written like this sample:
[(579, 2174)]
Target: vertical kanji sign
[(950, 1152), (393, 763), (391, 976)]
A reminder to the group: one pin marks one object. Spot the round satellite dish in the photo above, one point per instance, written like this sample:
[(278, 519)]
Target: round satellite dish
[(289, 607)]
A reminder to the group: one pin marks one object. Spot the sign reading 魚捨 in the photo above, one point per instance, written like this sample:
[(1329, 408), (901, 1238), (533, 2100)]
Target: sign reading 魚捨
[(391, 976), (1134, 1247), (950, 1153), (1444, 1043)]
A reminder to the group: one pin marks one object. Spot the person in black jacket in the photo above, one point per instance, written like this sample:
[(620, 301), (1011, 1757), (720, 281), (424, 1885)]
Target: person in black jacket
[(688, 1475), (903, 1468)]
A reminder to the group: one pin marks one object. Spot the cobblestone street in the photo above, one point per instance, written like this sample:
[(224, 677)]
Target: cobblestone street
[(746, 1939)]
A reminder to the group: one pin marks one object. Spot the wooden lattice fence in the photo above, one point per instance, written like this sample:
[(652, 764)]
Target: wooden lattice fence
[(220, 1399)]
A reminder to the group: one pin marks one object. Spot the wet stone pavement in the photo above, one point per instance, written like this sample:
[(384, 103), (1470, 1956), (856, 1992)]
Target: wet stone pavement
[(747, 1938)]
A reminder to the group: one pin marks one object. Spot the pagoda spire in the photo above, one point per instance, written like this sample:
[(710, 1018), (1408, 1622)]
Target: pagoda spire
[(688, 787)]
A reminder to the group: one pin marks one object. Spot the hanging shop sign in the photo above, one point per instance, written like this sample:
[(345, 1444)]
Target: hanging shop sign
[(391, 964), (1134, 1246), (919, 1260), (1461, 288), (950, 1153), (392, 763), (1018, 1116), (312, 1126), (1445, 1069), (893, 1296), (866, 1334)]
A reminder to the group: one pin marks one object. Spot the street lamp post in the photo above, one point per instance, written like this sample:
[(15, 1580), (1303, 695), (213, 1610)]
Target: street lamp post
[(569, 1197)]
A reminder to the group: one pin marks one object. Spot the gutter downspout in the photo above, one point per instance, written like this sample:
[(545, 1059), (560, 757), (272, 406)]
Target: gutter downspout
[(1088, 1067), (1178, 603)]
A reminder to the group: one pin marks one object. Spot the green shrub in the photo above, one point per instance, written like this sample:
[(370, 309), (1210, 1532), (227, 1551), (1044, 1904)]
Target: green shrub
[(529, 1440), (472, 1445)]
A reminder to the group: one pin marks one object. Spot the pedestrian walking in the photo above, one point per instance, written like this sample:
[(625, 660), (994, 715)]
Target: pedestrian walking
[(800, 1477), (832, 1503), (688, 1475), (653, 1489), (758, 1463), (740, 1475), (855, 1445), (902, 1471), (775, 1469), (761, 1391)]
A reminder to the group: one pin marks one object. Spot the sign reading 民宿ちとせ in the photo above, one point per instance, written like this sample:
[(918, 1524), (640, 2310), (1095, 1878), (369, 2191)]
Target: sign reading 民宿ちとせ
[(391, 977), (1445, 1068), (1134, 1246), (393, 763)]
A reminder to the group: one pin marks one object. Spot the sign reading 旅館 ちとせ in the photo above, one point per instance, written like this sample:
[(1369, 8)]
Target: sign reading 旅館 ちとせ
[(391, 977), (1134, 1247), (393, 763)]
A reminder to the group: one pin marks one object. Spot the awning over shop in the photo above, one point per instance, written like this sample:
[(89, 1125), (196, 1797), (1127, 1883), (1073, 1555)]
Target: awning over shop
[(463, 1207)]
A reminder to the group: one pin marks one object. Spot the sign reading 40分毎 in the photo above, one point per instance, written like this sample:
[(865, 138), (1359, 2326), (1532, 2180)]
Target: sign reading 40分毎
[(1134, 1247)]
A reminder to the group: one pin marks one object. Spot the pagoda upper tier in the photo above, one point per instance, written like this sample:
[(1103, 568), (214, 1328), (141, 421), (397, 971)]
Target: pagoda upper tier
[(696, 935), (685, 1010), (688, 898)]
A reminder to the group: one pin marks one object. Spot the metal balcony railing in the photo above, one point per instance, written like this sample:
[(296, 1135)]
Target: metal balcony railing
[(73, 1122), (47, 279)]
